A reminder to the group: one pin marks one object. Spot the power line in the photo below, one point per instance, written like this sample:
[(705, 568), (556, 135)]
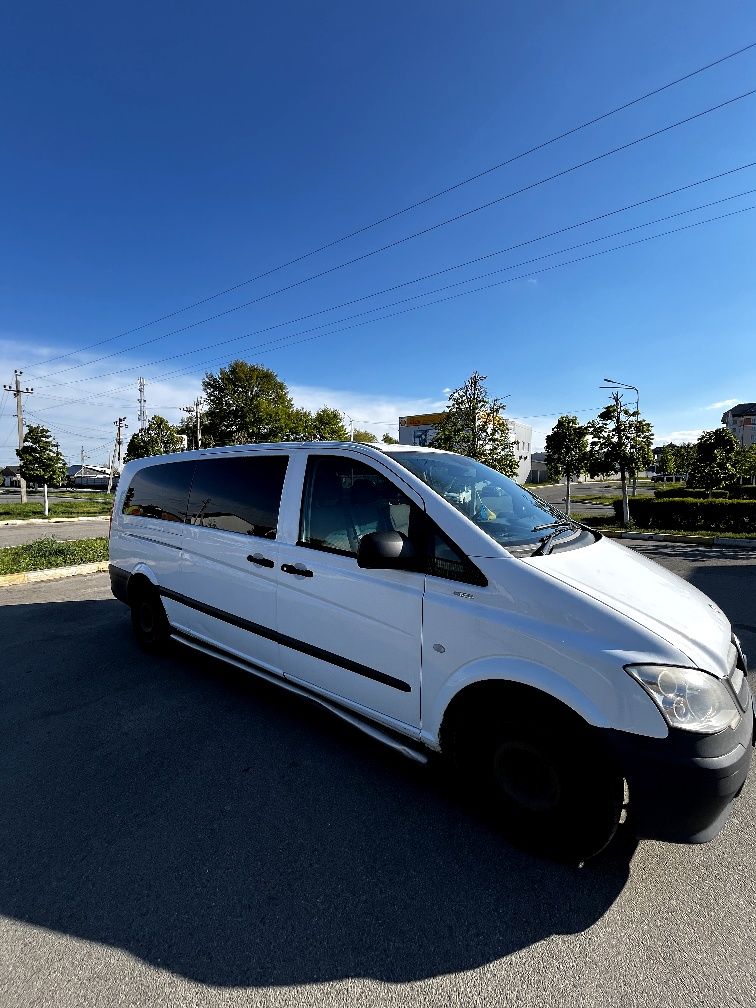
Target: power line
[(349, 318), (477, 290), (446, 191), (427, 276)]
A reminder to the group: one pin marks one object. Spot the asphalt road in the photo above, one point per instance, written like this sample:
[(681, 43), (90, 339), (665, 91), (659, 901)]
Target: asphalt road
[(175, 833), (16, 535), (556, 493)]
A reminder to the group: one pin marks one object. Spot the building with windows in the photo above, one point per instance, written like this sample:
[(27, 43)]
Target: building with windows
[(419, 430), (90, 477), (741, 421)]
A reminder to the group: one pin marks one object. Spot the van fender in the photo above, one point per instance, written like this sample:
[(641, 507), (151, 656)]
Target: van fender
[(633, 712), (145, 570)]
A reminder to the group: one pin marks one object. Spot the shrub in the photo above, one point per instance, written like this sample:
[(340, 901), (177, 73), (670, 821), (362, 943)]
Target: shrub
[(743, 492), (679, 492), (691, 514)]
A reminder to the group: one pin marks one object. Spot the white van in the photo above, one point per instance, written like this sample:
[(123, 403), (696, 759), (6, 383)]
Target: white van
[(441, 607)]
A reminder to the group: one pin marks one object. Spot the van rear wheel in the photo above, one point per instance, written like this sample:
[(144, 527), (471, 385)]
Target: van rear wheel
[(148, 620), (547, 787)]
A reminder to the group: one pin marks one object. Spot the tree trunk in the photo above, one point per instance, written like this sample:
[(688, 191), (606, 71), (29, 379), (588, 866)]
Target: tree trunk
[(568, 502), (625, 504), (47, 506)]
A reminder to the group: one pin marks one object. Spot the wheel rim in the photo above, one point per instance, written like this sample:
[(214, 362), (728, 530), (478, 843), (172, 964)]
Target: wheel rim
[(527, 777)]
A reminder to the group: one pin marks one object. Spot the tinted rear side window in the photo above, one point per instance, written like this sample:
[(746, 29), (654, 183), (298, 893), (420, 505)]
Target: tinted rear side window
[(240, 494), (160, 491)]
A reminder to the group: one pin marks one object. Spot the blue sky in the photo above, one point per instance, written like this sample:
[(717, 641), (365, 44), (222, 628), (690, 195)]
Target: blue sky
[(154, 154)]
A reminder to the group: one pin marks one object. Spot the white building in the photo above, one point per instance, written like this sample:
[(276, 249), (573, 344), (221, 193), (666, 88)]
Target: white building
[(741, 421), (419, 430)]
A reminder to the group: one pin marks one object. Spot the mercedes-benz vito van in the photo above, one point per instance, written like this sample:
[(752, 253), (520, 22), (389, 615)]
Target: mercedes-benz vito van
[(441, 607)]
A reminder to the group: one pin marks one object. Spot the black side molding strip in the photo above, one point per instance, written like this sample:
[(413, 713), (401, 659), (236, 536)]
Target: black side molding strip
[(289, 642)]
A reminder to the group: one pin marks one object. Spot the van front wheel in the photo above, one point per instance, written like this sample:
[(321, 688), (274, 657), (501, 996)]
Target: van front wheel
[(548, 789), (148, 620)]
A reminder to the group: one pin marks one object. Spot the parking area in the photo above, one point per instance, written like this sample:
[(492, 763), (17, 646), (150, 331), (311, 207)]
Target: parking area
[(175, 832)]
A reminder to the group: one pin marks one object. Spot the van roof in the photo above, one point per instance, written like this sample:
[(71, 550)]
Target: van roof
[(367, 448)]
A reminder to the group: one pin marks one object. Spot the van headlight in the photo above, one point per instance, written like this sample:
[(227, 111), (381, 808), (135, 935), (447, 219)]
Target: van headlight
[(688, 698)]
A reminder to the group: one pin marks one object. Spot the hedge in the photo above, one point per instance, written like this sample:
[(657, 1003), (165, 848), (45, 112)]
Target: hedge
[(735, 492), (691, 514), (677, 493)]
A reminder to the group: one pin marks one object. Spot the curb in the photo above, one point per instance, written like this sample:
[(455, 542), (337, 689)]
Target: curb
[(51, 574), (52, 521), (693, 540)]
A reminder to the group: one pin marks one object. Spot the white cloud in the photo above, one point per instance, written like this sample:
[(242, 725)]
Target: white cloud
[(79, 407), (678, 437), (724, 404), (374, 412)]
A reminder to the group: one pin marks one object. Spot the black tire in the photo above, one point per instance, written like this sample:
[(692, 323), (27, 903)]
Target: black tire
[(548, 786), (148, 620)]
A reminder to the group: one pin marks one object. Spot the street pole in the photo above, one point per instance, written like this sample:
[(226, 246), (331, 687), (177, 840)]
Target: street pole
[(637, 426), (621, 450), (197, 416), (18, 392), (196, 410), (116, 457)]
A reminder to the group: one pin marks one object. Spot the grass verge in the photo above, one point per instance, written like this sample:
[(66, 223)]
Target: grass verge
[(606, 523), (58, 509), (46, 553)]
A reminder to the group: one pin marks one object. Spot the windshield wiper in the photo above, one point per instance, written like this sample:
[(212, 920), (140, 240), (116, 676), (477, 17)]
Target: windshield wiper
[(558, 527), (557, 524)]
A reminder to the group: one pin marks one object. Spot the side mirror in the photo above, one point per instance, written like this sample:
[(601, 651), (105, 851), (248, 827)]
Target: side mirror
[(385, 551)]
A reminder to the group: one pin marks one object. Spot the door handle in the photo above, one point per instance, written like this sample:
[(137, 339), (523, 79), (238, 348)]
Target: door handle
[(298, 569), (260, 560)]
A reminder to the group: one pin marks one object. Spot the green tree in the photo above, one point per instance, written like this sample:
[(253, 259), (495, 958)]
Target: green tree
[(665, 460), (157, 438), (365, 436), (620, 441), (326, 424), (473, 424), (566, 451), (745, 463), (387, 439), (40, 459), (714, 466), (684, 456), (247, 404)]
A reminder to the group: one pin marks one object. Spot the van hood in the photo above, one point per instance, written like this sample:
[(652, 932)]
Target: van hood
[(650, 595)]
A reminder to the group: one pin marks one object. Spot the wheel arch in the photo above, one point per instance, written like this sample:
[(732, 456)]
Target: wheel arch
[(141, 577), (522, 682)]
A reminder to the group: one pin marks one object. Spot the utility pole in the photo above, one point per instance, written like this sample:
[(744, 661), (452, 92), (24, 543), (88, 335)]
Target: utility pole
[(196, 409), (18, 392), (617, 399), (142, 417), (120, 424)]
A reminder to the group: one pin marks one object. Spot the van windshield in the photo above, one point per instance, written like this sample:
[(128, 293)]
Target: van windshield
[(500, 507)]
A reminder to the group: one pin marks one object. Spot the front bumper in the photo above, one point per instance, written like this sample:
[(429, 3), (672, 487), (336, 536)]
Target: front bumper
[(682, 787)]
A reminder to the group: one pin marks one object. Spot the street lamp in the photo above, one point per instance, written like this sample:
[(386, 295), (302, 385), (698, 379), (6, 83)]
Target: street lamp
[(615, 384)]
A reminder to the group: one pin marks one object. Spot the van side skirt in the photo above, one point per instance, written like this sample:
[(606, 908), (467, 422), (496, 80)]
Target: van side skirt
[(369, 728)]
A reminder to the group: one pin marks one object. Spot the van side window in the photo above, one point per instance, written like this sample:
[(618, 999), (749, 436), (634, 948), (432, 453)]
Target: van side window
[(344, 499), (444, 560), (159, 491), (238, 494)]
